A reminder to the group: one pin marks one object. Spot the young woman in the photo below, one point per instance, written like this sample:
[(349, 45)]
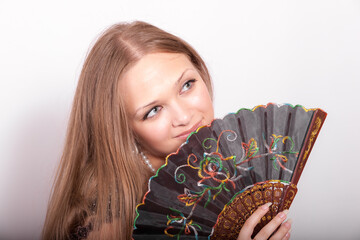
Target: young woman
[(140, 93)]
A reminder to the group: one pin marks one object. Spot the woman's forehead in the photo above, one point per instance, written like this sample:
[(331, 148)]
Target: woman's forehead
[(153, 75), (155, 69), (158, 62)]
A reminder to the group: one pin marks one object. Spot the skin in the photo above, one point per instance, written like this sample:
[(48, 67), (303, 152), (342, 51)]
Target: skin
[(175, 101)]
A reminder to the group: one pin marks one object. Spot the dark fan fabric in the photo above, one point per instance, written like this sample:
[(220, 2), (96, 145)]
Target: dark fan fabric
[(266, 144)]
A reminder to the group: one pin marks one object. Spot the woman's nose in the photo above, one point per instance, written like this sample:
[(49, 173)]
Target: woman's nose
[(181, 114)]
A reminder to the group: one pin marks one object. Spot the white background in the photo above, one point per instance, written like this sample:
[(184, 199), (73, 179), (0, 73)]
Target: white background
[(299, 52)]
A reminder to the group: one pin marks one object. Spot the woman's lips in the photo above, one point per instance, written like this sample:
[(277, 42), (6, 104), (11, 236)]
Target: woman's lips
[(186, 133)]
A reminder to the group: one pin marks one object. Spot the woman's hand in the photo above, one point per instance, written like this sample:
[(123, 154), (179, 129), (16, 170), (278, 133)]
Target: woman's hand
[(283, 233)]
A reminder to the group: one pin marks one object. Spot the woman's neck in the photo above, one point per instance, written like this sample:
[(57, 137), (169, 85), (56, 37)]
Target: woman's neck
[(155, 161)]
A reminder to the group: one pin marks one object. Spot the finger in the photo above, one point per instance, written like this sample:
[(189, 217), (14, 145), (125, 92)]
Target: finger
[(283, 230), (253, 220), (271, 227), (287, 236)]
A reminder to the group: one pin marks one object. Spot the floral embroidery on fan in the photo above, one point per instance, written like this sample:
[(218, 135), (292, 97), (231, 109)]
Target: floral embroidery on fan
[(179, 219), (215, 177)]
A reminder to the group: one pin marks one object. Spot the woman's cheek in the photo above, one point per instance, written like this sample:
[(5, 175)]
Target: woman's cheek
[(160, 128), (203, 102), (155, 132)]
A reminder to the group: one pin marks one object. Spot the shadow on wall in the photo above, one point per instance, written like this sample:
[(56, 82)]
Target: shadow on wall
[(34, 152)]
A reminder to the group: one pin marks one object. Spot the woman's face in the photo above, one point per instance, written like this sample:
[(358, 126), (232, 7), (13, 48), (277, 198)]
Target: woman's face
[(166, 100)]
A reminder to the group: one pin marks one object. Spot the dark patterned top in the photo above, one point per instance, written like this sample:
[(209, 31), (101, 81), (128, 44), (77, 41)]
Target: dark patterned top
[(81, 232)]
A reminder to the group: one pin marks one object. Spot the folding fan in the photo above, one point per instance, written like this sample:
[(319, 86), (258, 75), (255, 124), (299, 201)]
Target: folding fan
[(226, 170)]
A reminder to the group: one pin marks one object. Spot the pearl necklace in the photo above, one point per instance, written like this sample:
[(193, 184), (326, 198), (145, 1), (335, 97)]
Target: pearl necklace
[(147, 161)]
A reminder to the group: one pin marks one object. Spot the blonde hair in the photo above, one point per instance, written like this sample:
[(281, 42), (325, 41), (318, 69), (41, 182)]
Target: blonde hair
[(101, 178)]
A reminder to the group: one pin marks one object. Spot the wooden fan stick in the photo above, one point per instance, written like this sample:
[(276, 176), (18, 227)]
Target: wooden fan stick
[(314, 129), (315, 126)]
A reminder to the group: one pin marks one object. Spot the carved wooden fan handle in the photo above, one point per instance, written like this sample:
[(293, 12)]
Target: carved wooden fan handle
[(234, 215)]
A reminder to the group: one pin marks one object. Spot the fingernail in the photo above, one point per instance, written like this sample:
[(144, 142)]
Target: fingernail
[(283, 214), (266, 206), (288, 223)]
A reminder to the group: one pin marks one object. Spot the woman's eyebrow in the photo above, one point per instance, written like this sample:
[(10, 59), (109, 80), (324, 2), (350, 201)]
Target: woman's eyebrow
[(176, 84), (149, 104), (181, 76)]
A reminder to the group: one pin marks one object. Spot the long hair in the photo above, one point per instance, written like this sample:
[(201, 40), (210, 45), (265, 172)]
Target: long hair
[(101, 178)]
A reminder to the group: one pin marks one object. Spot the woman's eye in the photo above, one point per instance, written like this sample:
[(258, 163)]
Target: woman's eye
[(152, 112), (188, 85)]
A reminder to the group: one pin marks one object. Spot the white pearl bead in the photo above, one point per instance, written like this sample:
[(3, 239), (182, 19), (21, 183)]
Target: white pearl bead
[(147, 162)]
